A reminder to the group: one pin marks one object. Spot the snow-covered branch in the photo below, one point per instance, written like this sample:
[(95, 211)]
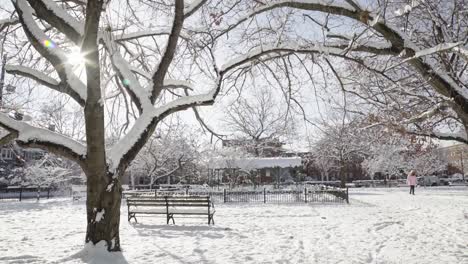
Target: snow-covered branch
[(7, 22), (139, 95), (168, 83), (173, 84), (193, 7), (59, 18), (45, 80), (440, 135), (332, 49), (437, 109), (38, 137)]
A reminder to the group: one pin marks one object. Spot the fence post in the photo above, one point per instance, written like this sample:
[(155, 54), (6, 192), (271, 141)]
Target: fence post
[(264, 195), (38, 192), (224, 195), (21, 193), (48, 192), (305, 194), (347, 196)]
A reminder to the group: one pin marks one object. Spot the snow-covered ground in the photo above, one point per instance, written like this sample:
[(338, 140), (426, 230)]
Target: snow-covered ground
[(379, 226)]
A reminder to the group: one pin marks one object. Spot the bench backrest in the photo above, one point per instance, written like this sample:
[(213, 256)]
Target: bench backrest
[(174, 201)]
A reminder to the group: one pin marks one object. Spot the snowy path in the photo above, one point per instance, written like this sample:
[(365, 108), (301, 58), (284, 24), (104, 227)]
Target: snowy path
[(380, 226)]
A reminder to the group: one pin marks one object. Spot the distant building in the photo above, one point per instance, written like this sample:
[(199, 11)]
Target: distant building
[(352, 170), (457, 158), (255, 170)]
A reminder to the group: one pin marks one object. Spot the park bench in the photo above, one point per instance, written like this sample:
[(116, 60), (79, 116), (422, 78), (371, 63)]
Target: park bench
[(171, 206)]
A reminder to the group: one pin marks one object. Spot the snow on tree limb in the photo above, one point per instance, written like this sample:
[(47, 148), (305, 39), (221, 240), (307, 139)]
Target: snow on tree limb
[(48, 49), (7, 138), (443, 47), (29, 135), (193, 7), (139, 95), (33, 74), (49, 11), (168, 83), (171, 84), (45, 80), (440, 135), (437, 109), (4, 23), (335, 50)]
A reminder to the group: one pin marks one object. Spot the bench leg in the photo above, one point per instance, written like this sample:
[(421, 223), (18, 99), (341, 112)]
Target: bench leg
[(170, 216), (210, 219), (130, 216)]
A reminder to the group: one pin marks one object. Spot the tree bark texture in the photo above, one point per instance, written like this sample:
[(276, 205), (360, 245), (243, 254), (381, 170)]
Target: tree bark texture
[(103, 210)]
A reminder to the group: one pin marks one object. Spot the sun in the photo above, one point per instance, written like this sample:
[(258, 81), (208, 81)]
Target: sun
[(75, 57)]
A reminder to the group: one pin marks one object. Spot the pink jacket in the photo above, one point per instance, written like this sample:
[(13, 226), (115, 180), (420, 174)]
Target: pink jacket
[(412, 180)]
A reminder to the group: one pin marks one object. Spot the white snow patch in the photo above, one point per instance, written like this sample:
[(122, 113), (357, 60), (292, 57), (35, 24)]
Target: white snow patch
[(99, 215), (380, 225), (96, 254)]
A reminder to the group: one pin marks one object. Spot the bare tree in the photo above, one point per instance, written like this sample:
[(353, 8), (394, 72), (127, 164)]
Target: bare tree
[(170, 150), (260, 122), (342, 142), (398, 154)]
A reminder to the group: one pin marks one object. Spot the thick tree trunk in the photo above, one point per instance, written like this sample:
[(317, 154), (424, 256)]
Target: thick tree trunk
[(343, 175), (103, 210)]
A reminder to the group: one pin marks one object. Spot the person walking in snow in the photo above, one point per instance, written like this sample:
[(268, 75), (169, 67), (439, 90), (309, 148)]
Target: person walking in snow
[(412, 181)]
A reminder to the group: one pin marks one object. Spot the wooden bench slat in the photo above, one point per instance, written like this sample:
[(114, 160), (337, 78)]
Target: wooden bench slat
[(171, 205)]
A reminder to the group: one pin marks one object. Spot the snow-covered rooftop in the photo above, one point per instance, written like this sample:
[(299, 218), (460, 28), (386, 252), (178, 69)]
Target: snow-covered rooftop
[(257, 163)]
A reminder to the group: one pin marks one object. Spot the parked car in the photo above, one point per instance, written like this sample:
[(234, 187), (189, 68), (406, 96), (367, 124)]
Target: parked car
[(458, 177), (429, 180), (445, 181)]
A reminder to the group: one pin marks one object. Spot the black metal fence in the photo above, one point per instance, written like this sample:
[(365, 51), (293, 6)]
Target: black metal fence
[(22, 193), (305, 195)]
